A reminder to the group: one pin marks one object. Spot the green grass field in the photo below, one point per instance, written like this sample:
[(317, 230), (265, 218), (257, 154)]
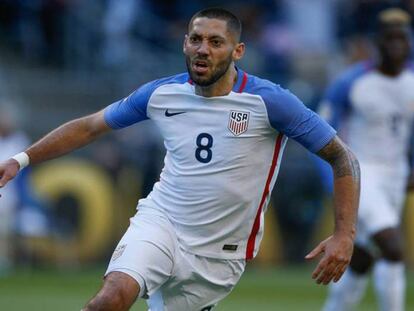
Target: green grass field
[(283, 288)]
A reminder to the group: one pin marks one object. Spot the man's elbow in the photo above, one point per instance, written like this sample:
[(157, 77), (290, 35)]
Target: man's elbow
[(95, 124)]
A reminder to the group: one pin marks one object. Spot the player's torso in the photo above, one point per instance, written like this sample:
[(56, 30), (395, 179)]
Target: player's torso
[(202, 132), (380, 117), (219, 153), (227, 138)]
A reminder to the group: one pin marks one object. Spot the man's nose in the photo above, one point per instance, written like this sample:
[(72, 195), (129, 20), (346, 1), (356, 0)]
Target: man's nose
[(203, 48)]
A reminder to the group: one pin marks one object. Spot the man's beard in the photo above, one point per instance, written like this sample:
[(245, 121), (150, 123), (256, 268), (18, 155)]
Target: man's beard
[(220, 71)]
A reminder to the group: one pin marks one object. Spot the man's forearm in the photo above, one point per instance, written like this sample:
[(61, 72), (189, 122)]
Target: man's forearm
[(345, 205), (67, 137), (346, 171)]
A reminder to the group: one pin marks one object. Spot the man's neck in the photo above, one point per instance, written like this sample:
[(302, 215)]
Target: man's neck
[(390, 69), (221, 87)]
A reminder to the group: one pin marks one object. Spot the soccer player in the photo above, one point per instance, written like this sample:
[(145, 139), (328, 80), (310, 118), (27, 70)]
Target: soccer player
[(224, 132), (375, 101)]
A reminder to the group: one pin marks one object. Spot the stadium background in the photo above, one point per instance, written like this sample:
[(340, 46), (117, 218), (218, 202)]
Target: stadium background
[(61, 59)]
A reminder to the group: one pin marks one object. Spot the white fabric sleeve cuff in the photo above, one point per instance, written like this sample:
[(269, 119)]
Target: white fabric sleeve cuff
[(23, 159)]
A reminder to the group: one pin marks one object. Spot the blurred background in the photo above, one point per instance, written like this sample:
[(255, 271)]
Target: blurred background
[(62, 59)]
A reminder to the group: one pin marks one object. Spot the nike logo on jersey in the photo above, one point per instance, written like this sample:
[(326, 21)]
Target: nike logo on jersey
[(170, 114)]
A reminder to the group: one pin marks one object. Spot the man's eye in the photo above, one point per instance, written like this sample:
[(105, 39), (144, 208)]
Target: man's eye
[(216, 42), (194, 39)]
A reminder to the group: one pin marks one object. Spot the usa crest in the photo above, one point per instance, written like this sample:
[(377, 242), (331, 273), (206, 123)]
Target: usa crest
[(238, 122)]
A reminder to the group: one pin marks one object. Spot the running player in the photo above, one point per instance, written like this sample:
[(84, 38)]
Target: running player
[(375, 101), (224, 132)]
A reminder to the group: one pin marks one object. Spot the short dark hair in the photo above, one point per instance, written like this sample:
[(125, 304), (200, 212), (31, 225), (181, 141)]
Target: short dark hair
[(233, 22)]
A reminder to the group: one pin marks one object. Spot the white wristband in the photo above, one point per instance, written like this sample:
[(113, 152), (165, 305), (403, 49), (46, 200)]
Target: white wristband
[(23, 159)]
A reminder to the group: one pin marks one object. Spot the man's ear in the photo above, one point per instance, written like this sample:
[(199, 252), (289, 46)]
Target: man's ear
[(238, 51), (185, 43)]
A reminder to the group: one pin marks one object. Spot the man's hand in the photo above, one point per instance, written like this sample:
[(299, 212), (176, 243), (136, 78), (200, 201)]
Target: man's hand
[(337, 251), (8, 170)]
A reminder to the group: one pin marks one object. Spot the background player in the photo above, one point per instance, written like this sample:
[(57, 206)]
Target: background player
[(377, 101), (224, 132)]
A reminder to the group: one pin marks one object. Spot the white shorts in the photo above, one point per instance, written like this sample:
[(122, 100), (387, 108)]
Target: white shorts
[(383, 192), (172, 278)]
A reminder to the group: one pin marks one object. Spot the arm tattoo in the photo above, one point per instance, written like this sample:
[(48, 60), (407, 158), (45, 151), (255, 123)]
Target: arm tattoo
[(342, 160)]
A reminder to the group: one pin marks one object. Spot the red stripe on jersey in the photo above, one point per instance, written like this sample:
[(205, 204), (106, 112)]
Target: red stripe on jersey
[(243, 85), (256, 225), (190, 81)]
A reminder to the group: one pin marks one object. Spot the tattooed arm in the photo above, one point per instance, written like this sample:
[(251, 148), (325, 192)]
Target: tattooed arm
[(337, 249), (346, 171)]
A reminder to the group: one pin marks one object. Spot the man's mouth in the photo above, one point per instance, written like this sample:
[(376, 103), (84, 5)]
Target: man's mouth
[(200, 66)]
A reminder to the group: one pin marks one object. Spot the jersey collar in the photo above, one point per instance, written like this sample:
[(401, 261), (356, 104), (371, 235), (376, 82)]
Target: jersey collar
[(241, 81), (240, 84)]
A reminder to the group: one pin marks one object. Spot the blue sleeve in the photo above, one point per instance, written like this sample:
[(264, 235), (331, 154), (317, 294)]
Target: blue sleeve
[(289, 115), (335, 102), (131, 109)]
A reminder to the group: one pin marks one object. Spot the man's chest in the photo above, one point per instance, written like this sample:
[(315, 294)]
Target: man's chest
[(382, 101), (210, 129)]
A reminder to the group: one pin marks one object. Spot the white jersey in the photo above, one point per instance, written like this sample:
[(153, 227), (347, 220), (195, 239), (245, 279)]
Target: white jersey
[(223, 155), (374, 114)]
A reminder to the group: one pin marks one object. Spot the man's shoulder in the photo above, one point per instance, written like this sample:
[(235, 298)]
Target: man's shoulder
[(262, 87), (144, 92), (270, 92), (180, 78), (409, 68), (343, 84), (354, 72)]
